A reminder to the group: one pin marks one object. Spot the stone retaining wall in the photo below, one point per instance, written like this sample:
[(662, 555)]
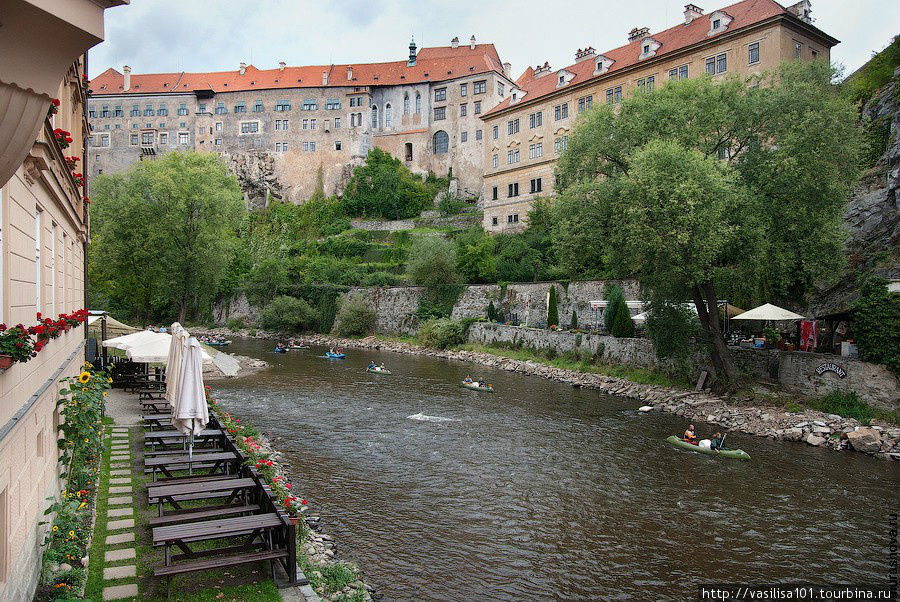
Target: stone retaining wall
[(808, 374)]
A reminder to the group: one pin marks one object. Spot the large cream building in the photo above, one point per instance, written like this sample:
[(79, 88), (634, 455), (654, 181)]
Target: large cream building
[(281, 129), (43, 237), (526, 133)]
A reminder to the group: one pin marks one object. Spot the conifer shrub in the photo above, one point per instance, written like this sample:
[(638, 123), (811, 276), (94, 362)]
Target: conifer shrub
[(552, 310)]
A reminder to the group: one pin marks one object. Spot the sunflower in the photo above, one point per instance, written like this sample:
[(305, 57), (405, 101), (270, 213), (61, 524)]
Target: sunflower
[(84, 377)]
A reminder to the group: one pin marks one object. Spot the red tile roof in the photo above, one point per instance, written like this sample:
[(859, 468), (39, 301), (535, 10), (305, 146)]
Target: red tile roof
[(743, 14), (432, 65)]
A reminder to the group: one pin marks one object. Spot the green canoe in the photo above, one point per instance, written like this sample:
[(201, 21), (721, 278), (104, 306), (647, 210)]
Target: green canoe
[(737, 454), (379, 371), (475, 387)]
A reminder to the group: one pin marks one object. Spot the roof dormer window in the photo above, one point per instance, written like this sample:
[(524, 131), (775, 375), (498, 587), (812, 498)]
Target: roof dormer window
[(563, 77), (602, 64), (718, 22), (649, 46)]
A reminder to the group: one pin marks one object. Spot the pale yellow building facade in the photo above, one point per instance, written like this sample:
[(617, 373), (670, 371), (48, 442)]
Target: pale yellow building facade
[(528, 132)]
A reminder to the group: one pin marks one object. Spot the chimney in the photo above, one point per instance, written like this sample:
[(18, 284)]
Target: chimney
[(324, 78), (637, 33), (542, 70), (243, 68), (507, 68), (126, 84), (454, 43), (412, 53), (583, 55), (691, 12), (349, 73), (281, 65), (472, 43)]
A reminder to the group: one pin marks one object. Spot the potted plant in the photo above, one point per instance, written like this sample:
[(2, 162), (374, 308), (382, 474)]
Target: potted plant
[(15, 346)]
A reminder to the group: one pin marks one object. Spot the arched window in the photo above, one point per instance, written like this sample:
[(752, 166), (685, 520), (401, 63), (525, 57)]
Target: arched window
[(418, 103), (388, 115), (374, 117), (406, 103), (441, 142)]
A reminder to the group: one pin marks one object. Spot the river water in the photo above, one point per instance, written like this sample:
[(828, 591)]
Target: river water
[(544, 491)]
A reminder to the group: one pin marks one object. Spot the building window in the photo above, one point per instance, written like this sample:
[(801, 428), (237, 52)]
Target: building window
[(148, 111), (406, 103), (374, 117), (163, 138), (388, 115), (496, 131), (479, 87), (337, 123), (651, 83), (514, 218), (354, 101), (134, 139), (440, 113), (240, 108), (135, 111), (277, 147), (512, 127), (220, 108), (494, 197), (477, 107), (716, 23), (536, 151), (418, 103), (814, 54), (500, 89), (182, 109), (440, 95), (561, 144), (183, 138), (281, 105), (512, 190), (309, 104), (104, 112), (201, 108), (337, 145), (496, 160), (535, 120), (258, 106), (305, 124), (722, 63), (92, 113), (119, 113), (512, 156), (333, 104), (536, 185), (478, 134), (441, 142), (409, 153), (561, 111), (463, 89), (464, 136), (248, 127), (798, 47), (146, 138), (463, 110), (312, 124), (585, 103), (753, 53)]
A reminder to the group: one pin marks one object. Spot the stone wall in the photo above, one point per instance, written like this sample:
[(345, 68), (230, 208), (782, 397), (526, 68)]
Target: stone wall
[(794, 371)]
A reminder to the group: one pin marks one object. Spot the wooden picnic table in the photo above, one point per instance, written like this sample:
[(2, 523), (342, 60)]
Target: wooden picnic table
[(157, 406), (214, 461), (230, 488), (172, 439), (151, 394), (157, 420)]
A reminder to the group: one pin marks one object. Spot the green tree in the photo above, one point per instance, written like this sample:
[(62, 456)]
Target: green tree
[(573, 323), (876, 323), (615, 301), (552, 310), (288, 314), (265, 281), (622, 326), (476, 258), (492, 315), (703, 184), (354, 317), (432, 264), (164, 234), (384, 187)]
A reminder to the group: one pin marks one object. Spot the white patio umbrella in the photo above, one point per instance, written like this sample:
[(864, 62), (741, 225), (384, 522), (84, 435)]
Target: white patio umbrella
[(768, 312), (190, 414), (156, 350), (131, 340), (173, 362)]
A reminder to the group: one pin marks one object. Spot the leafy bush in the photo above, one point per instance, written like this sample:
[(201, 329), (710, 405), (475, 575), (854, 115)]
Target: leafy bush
[(354, 318), (671, 326), (383, 187), (552, 310), (876, 324), (442, 333), (265, 281), (874, 74), (848, 405), (289, 314), (432, 264), (450, 205), (235, 324)]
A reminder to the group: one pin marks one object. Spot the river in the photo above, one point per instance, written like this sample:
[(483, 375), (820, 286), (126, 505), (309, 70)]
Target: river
[(544, 491)]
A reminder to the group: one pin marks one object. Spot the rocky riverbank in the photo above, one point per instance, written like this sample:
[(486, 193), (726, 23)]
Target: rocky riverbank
[(747, 416)]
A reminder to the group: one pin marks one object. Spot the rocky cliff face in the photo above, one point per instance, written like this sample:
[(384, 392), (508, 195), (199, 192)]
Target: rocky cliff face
[(873, 212), (256, 176)]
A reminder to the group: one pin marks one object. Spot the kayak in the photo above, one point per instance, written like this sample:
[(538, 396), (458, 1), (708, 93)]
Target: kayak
[(299, 347), (218, 343), (280, 350), (737, 454), (378, 370), (476, 387), (335, 356)]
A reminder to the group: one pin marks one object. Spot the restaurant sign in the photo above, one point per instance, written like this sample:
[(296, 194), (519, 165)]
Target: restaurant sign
[(831, 367)]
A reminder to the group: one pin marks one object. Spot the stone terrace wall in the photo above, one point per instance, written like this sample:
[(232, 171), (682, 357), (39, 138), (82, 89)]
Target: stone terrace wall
[(794, 371)]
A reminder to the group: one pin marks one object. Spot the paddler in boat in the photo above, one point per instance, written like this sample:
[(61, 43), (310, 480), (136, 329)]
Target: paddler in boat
[(468, 380), (381, 367), (372, 365), (689, 435), (717, 442)]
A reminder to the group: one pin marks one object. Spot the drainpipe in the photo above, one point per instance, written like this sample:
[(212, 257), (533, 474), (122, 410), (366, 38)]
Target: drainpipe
[(84, 189)]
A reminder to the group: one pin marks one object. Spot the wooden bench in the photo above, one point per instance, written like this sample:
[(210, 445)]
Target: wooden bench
[(157, 420), (214, 461), (172, 439), (174, 494), (220, 562), (145, 395), (197, 514)]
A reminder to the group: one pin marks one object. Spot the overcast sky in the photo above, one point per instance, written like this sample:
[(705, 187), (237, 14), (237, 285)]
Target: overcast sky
[(216, 35)]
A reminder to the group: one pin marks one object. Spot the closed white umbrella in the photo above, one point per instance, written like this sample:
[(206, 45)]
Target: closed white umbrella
[(768, 312), (190, 414), (173, 363)]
